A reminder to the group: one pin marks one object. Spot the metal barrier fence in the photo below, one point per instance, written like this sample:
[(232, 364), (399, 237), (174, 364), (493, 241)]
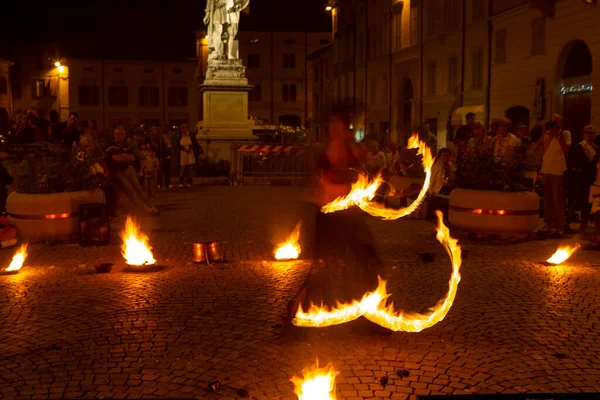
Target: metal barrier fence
[(269, 161)]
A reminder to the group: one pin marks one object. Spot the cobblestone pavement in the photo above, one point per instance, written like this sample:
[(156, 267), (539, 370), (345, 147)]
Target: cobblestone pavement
[(515, 326)]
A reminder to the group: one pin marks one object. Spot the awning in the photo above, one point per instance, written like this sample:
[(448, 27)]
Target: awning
[(459, 116)]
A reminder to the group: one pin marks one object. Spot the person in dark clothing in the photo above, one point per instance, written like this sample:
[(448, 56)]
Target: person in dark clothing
[(581, 174), (67, 132), (5, 180), (28, 131), (464, 134), (337, 235)]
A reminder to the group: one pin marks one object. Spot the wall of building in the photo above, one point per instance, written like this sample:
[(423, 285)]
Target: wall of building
[(514, 81), (5, 96)]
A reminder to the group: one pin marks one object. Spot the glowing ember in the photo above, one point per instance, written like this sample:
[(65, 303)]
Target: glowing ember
[(290, 250), (317, 384), (563, 253), (373, 305), (135, 247), (18, 259), (362, 191)]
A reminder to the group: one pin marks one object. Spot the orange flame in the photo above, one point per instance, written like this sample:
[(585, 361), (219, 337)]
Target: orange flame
[(290, 250), (373, 304), (317, 384), (362, 191), (135, 247), (563, 253), (18, 259)]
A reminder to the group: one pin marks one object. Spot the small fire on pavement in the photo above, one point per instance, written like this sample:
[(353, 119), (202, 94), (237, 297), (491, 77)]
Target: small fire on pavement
[(18, 259), (135, 247), (562, 254), (373, 304), (317, 383), (291, 249), (363, 191)]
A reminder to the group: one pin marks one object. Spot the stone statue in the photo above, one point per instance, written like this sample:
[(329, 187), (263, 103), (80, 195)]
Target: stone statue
[(223, 18)]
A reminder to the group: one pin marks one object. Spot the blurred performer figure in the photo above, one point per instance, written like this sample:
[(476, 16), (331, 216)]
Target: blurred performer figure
[(342, 240)]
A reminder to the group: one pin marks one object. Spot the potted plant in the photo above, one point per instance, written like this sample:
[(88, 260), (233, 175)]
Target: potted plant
[(490, 197)]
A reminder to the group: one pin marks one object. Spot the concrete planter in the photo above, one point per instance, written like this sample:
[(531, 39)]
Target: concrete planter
[(52, 216), (514, 214)]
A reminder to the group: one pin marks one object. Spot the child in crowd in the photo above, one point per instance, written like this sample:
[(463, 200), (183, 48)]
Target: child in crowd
[(151, 168)]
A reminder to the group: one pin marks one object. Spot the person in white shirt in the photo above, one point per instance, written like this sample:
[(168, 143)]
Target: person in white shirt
[(554, 165), (505, 142), (564, 135)]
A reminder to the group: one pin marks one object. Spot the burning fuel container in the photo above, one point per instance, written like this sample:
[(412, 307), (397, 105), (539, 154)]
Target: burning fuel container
[(94, 224)]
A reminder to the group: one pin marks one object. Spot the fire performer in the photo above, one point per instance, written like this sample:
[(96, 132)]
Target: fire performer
[(337, 234)]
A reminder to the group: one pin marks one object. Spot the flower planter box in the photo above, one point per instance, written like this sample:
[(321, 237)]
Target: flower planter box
[(508, 214), (52, 216)]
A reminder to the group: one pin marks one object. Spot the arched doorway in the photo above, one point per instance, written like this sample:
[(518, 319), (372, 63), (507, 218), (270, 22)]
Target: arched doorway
[(405, 109), (575, 88), (3, 121), (290, 120), (518, 115)]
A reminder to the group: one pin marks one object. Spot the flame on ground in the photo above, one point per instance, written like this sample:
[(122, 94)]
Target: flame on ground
[(135, 247), (363, 191), (317, 383), (373, 304), (18, 259), (563, 253), (291, 249)]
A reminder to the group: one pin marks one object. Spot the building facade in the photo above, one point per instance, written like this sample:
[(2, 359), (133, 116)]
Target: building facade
[(278, 68), (5, 95), (542, 62), (408, 62)]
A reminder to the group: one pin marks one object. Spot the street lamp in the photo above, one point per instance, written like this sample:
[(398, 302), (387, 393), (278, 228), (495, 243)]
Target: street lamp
[(328, 8)]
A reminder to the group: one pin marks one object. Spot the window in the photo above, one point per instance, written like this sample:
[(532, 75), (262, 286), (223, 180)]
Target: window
[(178, 97), (452, 8), (289, 60), (288, 41), (452, 74), (478, 10), (118, 69), (88, 96), (397, 31), (255, 94), (39, 88), (538, 43), (431, 75), (88, 69), (288, 93), (177, 71), (148, 70), (500, 47), (477, 69), (118, 95), (324, 41), (414, 22), (253, 60), (3, 85), (148, 96)]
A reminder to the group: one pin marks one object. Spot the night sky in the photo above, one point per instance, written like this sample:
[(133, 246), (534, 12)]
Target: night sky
[(137, 26)]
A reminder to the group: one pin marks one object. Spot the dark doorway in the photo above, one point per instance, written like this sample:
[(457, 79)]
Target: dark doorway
[(3, 121), (290, 120), (518, 115), (405, 110), (575, 69)]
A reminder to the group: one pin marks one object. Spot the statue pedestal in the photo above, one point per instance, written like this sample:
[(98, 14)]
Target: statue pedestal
[(225, 105)]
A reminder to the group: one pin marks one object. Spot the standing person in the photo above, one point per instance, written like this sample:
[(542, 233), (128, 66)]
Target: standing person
[(442, 171), (430, 138), (341, 232), (534, 155), (505, 143), (521, 134), (581, 162), (120, 159), (151, 169), (167, 156), (563, 134), (464, 134), (554, 165), (187, 158), (28, 131), (67, 132)]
